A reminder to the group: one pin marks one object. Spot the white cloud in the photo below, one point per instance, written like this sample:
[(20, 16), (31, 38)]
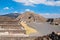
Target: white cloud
[(32, 2), (28, 10), (6, 8), (15, 12)]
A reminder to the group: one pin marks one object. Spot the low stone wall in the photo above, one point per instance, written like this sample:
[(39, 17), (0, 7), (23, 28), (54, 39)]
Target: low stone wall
[(17, 38), (25, 38), (43, 38)]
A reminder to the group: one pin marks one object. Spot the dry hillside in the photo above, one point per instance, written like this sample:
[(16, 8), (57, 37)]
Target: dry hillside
[(31, 17)]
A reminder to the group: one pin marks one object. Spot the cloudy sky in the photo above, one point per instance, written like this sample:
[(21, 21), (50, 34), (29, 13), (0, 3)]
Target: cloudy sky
[(37, 6)]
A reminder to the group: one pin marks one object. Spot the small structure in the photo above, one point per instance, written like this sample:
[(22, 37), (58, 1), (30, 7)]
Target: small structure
[(11, 26)]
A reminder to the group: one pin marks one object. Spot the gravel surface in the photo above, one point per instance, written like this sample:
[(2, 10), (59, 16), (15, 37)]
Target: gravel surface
[(44, 28)]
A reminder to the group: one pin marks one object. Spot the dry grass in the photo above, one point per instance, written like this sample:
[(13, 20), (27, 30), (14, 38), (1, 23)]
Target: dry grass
[(28, 29)]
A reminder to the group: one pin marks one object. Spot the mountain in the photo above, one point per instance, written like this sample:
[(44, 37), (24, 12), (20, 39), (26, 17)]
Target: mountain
[(31, 17), (12, 15), (26, 16)]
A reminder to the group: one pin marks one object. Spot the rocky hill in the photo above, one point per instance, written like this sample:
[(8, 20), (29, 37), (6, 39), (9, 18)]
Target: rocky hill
[(31, 17)]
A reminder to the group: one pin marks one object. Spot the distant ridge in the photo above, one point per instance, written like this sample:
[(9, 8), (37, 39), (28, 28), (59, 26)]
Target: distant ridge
[(12, 15)]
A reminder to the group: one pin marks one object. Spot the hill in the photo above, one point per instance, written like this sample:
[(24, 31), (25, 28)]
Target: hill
[(31, 17), (12, 15)]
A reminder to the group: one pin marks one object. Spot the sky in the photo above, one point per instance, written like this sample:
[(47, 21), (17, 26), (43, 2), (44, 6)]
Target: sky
[(46, 7)]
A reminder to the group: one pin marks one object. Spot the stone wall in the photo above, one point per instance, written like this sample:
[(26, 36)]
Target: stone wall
[(25, 38)]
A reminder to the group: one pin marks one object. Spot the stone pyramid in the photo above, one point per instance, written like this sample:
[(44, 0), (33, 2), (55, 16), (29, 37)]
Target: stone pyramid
[(31, 17)]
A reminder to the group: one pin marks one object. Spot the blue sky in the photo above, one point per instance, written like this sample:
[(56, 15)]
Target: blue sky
[(37, 6)]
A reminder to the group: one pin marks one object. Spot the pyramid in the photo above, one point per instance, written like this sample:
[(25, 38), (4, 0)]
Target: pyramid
[(6, 18), (10, 26), (31, 17)]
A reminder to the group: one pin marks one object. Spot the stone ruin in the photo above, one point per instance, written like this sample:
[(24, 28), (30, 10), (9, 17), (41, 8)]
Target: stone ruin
[(10, 29), (31, 17)]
